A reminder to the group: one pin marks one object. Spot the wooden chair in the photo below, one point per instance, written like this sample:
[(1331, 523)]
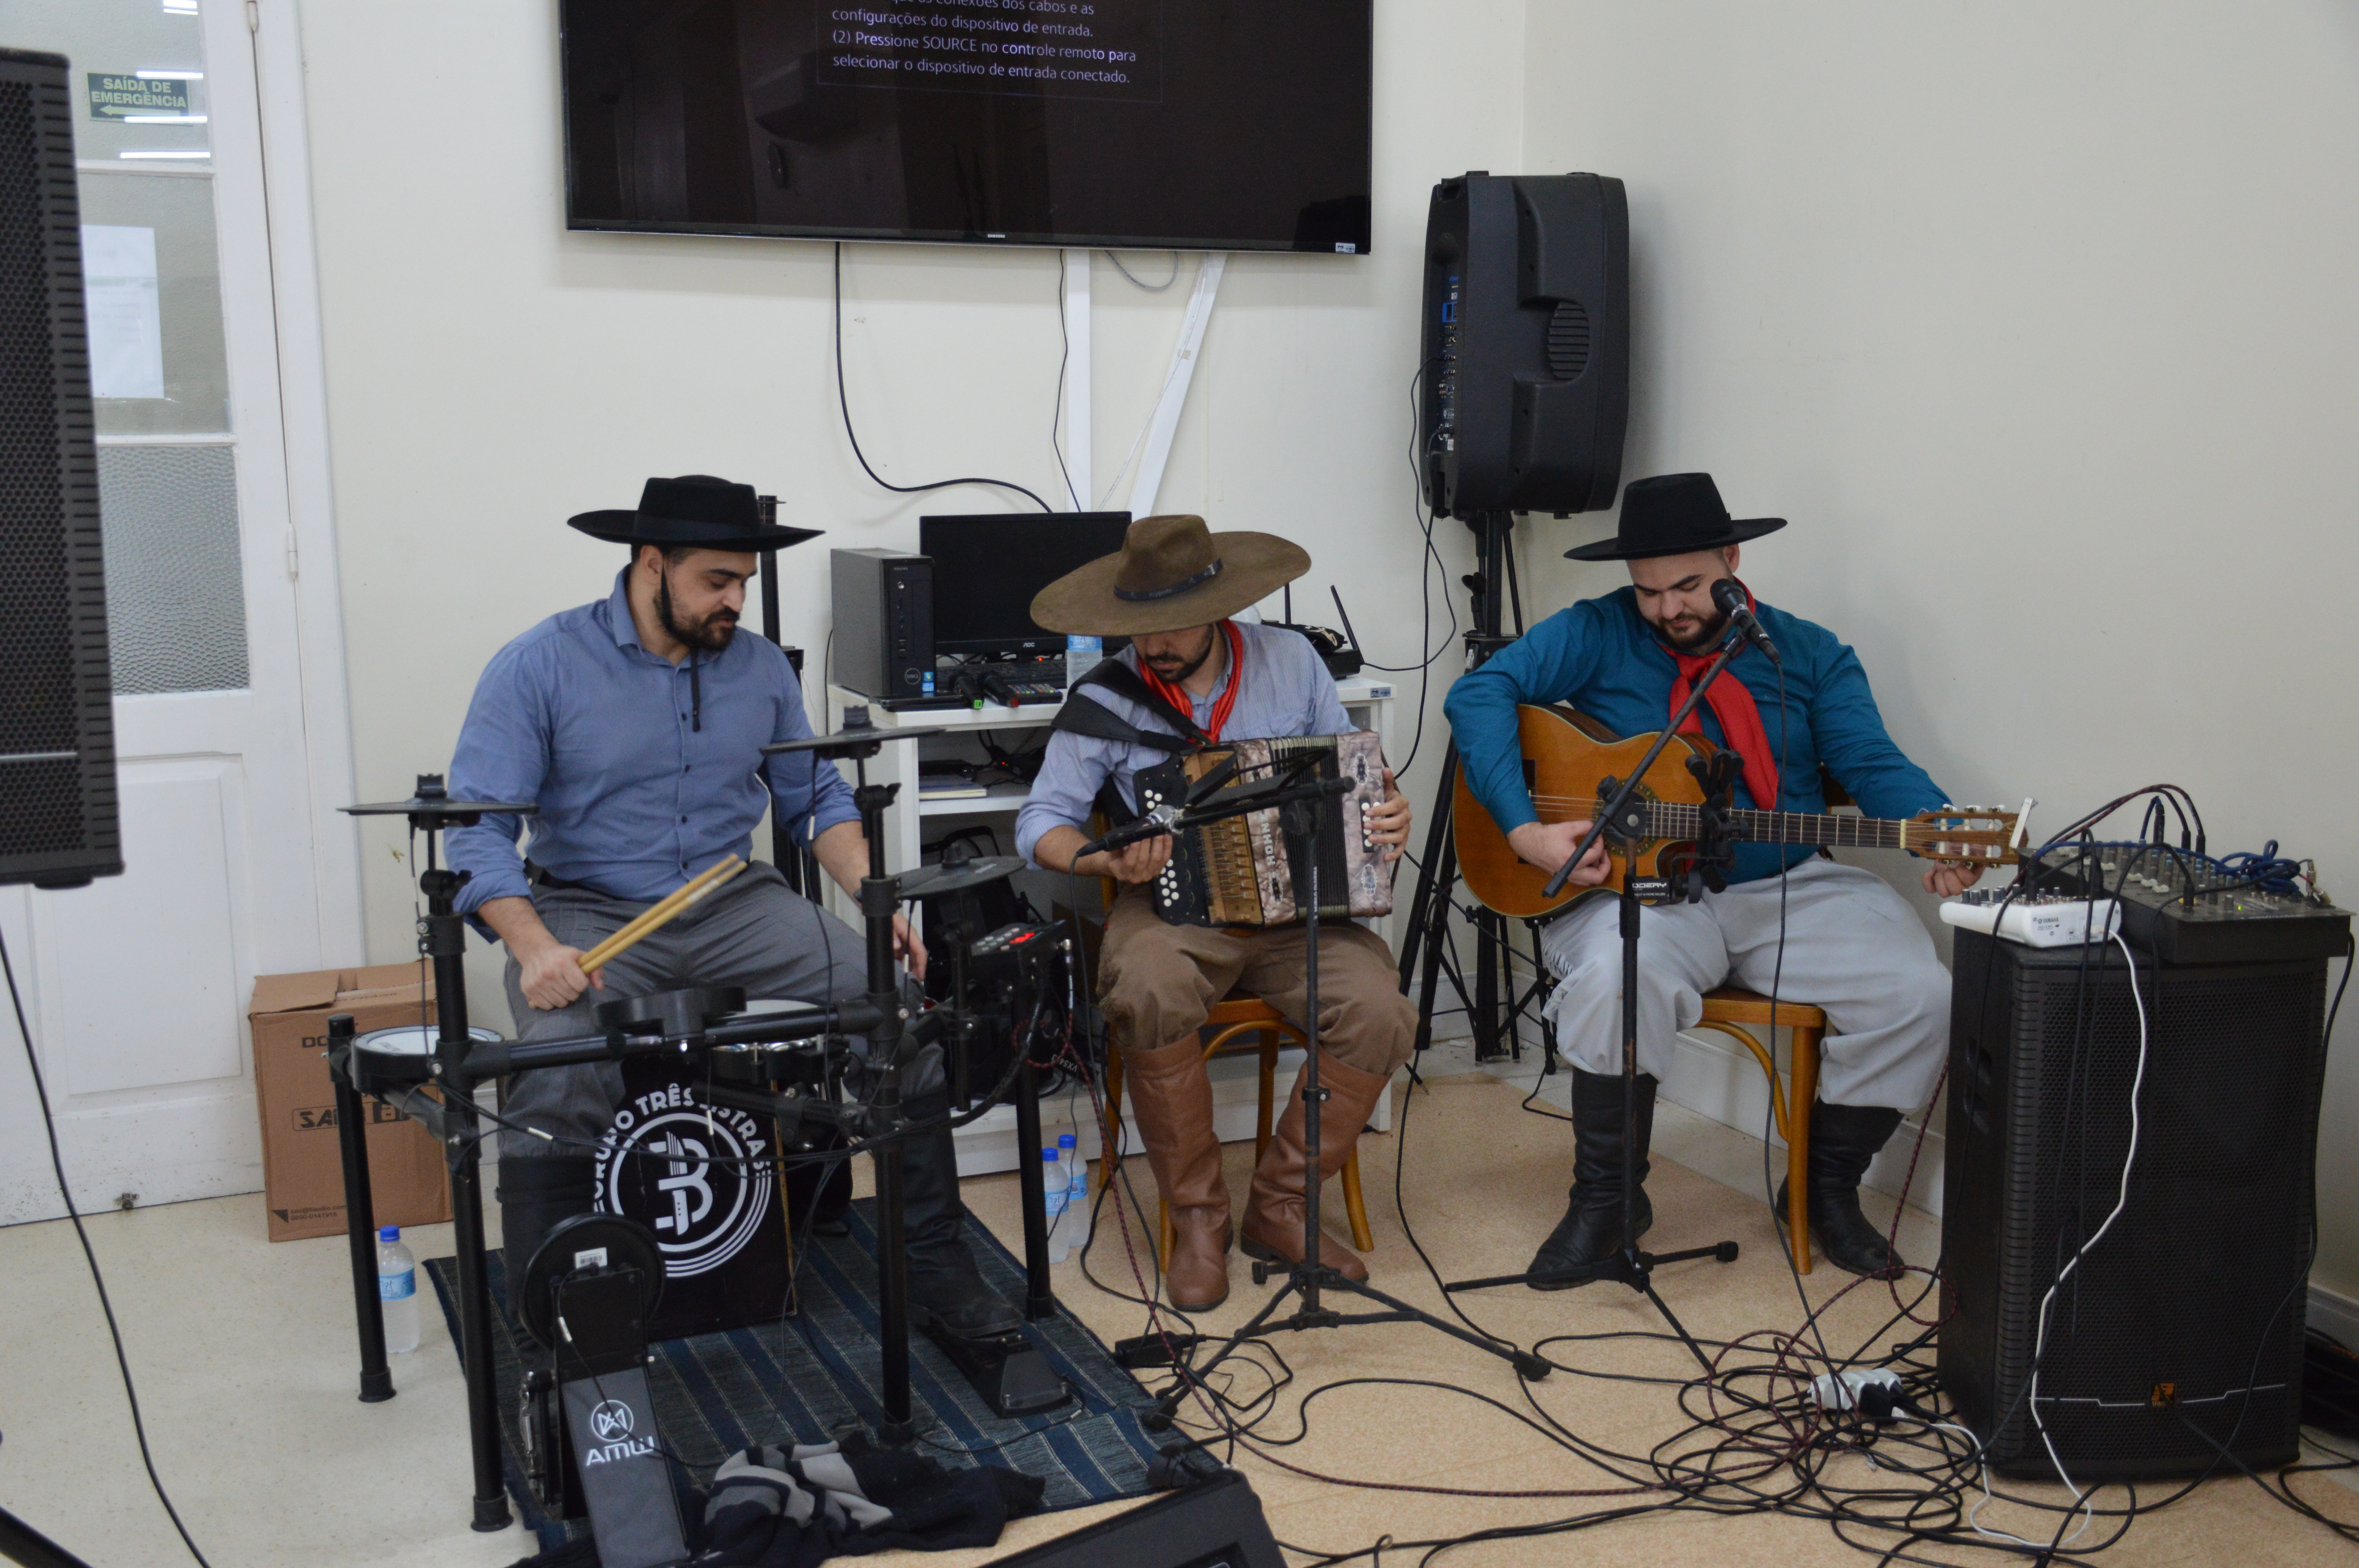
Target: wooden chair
[(1234, 1015), (1735, 1014)]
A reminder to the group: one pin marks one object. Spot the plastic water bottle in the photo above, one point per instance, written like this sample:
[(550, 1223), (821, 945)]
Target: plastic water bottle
[(1077, 1191), (1052, 1188), (1082, 657), (396, 1289)]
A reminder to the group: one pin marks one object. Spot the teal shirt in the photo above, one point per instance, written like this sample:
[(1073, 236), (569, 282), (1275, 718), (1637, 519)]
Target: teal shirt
[(1601, 657)]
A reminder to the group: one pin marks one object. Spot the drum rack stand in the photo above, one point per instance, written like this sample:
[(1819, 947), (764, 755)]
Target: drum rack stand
[(458, 1065)]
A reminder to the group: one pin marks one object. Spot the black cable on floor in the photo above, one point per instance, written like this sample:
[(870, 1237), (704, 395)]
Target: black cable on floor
[(58, 1165)]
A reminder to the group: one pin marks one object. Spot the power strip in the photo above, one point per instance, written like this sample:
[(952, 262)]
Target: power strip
[(1846, 1390), (1873, 1391), (2035, 920)]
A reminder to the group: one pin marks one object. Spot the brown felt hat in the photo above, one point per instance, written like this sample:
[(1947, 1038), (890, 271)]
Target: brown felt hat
[(1171, 573)]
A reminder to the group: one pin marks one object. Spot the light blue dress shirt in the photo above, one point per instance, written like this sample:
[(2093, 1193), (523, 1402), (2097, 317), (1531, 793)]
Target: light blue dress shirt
[(1287, 691), (645, 772)]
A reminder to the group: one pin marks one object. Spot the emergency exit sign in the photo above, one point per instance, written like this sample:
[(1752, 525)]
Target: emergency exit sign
[(120, 97)]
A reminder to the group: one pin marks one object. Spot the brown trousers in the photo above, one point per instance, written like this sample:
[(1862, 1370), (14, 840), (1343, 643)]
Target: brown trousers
[(1157, 982)]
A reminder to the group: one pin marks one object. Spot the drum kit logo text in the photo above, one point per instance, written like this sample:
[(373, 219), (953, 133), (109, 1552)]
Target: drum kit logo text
[(699, 1176)]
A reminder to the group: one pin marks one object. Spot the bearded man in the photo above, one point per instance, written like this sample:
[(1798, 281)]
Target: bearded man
[(636, 725), (1834, 937)]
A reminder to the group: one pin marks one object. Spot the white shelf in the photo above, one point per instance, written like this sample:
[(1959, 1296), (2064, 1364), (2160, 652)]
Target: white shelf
[(1002, 798), (991, 716)]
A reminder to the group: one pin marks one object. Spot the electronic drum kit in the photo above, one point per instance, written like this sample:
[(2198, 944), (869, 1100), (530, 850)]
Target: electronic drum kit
[(757, 1049)]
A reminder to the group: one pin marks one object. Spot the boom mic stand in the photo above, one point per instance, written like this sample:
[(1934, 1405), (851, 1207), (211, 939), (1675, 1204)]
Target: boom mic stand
[(1302, 816), (1624, 818)]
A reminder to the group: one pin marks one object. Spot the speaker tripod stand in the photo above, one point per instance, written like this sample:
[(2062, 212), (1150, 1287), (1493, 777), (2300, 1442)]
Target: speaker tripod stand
[(1426, 936), (1303, 808)]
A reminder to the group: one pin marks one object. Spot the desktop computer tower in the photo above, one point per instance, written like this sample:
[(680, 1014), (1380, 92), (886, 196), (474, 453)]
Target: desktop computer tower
[(883, 621)]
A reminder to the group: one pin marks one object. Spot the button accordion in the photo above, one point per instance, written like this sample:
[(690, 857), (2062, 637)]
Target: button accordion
[(1240, 870)]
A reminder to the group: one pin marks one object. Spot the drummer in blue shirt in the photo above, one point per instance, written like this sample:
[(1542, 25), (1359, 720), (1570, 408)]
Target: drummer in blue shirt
[(635, 724)]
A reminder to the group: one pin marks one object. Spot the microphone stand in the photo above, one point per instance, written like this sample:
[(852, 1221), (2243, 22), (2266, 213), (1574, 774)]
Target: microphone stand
[(1624, 819), (1302, 816)]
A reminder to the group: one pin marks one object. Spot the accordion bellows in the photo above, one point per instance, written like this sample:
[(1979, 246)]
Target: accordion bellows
[(1239, 871)]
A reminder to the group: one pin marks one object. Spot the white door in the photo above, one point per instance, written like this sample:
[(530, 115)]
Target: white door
[(137, 986)]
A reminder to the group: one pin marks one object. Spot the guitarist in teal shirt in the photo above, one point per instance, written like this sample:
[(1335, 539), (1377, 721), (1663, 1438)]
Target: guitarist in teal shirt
[(1850, 945)]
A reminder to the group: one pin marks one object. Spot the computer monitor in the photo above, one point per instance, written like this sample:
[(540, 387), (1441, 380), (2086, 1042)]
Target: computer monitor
[(987, 569)]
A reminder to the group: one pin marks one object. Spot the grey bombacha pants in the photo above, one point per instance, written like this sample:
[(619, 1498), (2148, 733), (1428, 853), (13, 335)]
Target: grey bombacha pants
[(1852, 947), (756, 933)]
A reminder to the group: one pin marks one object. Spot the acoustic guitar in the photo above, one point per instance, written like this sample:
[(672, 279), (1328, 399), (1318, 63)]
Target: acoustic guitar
[(1568, 755)]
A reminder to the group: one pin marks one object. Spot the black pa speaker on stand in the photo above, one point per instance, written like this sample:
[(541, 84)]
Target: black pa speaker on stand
[(1527, 344), (58, 824), (2179, 1333), (1522, 400)]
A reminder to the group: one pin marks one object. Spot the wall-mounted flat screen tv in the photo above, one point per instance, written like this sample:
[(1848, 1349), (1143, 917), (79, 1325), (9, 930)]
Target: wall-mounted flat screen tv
[(1203, 125)]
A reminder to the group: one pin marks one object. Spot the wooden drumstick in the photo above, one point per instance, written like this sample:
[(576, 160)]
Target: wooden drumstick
[(661, 913)]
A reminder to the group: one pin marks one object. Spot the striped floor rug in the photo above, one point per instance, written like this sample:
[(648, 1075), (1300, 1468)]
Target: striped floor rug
[(800, 1378)]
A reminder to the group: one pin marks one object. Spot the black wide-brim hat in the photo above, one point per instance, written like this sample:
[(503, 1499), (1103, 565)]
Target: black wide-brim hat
[(1673, 514), (696, 512)]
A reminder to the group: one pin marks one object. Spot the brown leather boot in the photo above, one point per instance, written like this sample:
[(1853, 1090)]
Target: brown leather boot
[(1273, 1227), (1172, 1100)]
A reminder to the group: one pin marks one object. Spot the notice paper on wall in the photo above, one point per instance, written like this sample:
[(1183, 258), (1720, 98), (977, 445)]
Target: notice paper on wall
[(126, 320)]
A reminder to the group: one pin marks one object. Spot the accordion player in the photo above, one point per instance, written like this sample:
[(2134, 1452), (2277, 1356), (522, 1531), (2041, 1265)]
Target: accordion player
[(1195, 923)]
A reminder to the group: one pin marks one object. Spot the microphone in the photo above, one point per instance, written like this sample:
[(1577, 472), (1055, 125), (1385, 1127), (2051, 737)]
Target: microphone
[(1730, 599), (1155, 824)]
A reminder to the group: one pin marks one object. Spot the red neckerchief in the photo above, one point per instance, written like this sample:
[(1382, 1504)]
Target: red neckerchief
[(1740, 720), (1228, 698)]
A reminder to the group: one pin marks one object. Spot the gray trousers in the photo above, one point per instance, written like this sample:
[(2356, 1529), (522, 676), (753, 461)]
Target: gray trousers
[(1852, 947), (756, 933)]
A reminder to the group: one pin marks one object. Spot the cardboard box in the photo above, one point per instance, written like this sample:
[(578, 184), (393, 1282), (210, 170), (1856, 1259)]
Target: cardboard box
[(302, 1162)]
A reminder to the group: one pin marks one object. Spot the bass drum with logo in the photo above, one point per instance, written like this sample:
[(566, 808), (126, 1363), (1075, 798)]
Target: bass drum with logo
[(704, 1179)]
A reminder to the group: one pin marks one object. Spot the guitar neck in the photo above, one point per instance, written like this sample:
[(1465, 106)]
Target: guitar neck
[(1670, 821)]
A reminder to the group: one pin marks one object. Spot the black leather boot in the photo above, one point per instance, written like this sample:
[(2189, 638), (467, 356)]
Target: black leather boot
[(1843, 1140), (1592, 1227), (945, 1286), (534, 1194)]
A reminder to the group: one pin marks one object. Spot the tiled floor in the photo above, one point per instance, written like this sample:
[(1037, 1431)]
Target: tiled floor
[(242, 1353)]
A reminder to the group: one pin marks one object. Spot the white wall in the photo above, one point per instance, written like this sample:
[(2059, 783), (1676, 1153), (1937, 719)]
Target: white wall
[(2038, 322), (490, 373), (2035, 321)]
